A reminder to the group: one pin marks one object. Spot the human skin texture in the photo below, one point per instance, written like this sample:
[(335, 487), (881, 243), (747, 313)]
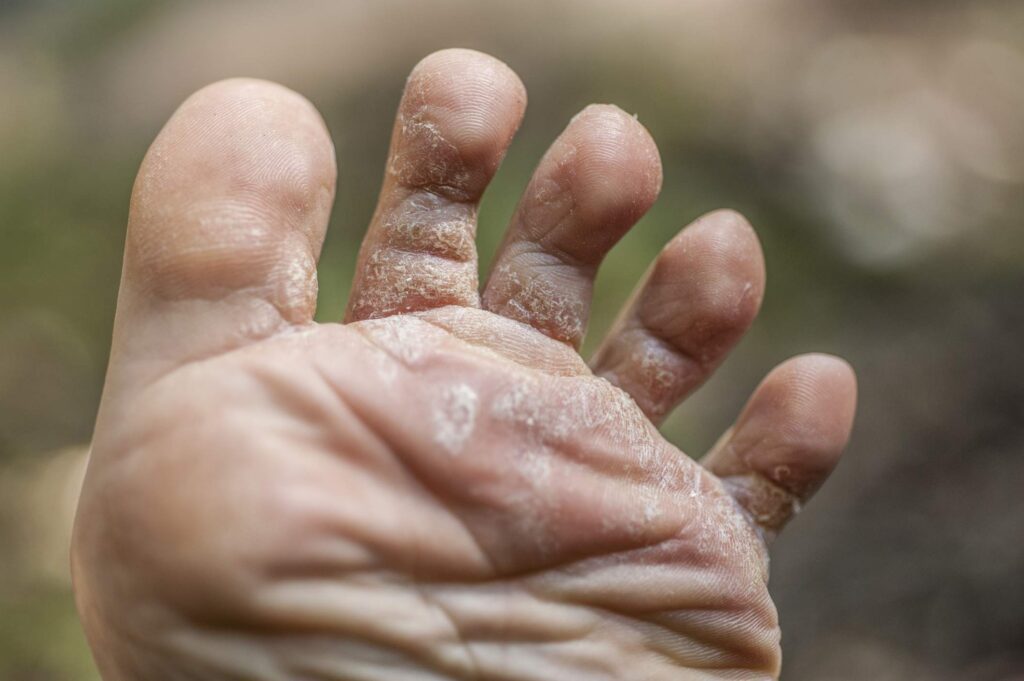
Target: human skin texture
[(438, 487)]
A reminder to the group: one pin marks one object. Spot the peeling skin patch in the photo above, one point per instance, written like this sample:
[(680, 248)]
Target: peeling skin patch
[(423, 256), (655, 363), (537, 301), (657, 375), (522, 404), (555, 413), (295, 293), (426, 223), (454, 417), (396, 282), (424, 158), (422, 154)]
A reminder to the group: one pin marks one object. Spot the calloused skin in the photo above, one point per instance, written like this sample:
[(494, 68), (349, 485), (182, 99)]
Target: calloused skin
[(439, 487)]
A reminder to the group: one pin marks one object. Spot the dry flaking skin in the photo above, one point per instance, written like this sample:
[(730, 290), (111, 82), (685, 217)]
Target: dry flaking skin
[(440, 488), (485, 520)]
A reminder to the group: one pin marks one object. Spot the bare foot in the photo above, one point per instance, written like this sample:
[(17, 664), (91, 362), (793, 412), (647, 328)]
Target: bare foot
[(440, 487)]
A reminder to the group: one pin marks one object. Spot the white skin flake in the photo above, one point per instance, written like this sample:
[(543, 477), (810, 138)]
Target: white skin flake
[(455, 416)]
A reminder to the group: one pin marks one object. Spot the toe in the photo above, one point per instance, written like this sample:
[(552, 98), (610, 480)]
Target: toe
[(227, 218), (456, 119), (599, 177), (693, 306), (788, 438)]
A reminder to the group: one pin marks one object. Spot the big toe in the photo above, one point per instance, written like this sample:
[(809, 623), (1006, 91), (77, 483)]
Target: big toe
[(227, 218)]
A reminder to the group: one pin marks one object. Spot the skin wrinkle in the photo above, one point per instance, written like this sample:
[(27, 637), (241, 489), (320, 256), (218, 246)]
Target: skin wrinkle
[(506, 338), (279, 383), (695, 654), (622, 617), (456, 619), (423, 636), (472, 664), (219, 649), (528, 617), (423, 482), (630, 612), (532, 418)]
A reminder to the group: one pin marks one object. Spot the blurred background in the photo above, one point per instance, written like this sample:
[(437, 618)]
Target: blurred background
[(877, 146)]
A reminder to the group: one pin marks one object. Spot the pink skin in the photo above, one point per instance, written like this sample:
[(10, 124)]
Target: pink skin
[(440, 488)]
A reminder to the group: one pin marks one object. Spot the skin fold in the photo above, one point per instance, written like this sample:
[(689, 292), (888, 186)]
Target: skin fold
[(437, 486)]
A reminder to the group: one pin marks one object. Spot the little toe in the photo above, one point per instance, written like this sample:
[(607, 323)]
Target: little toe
[(788, 439)]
